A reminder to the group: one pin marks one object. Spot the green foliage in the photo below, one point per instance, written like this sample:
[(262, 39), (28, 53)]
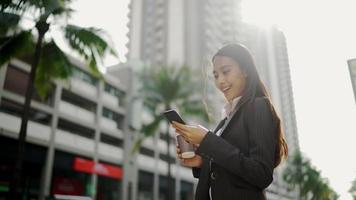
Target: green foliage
[(301, 175), (352, 190), (88, 43), (53, 63), (15, 46), (8, 21), (164, 88)]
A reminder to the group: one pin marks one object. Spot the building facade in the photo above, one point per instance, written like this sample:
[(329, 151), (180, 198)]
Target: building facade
[(79, 138), (74, 138)]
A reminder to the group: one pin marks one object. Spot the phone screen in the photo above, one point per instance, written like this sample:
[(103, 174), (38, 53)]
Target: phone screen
[(172, 115)]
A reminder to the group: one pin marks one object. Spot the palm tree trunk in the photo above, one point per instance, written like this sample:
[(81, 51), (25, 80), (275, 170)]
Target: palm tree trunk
[(42, 28), (170, 189)]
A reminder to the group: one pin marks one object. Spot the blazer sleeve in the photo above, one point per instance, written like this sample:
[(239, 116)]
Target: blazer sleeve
[(257, 167)]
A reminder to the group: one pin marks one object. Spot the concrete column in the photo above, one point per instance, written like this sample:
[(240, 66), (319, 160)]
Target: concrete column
[(48, 168), (98, 115), (177, 179), (131, 124)]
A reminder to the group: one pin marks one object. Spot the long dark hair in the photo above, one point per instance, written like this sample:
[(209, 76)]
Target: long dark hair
[(255, 88)]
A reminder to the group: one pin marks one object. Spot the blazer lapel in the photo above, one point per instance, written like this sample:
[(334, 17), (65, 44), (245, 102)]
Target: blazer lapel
[(235, 115), (220, 125)]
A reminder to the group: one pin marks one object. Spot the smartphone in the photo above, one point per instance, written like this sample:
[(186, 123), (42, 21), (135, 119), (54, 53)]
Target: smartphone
[(172, 115)]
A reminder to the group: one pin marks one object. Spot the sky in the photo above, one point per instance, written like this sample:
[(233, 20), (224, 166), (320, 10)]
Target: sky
[(321, 37)]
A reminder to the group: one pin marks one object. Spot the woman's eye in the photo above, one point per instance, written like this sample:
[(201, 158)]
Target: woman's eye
[(215, 76), (226, 72)]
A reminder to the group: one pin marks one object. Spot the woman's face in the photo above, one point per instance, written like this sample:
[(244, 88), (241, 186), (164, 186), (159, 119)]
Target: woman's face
[(229, 77)]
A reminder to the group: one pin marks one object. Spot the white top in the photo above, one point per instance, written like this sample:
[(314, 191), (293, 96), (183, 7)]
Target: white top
[(227, 112), (229, 107)]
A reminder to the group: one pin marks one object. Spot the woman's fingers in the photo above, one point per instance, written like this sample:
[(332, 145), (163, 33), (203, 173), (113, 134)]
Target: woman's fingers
[(181, 126), (179, 155), (184, 134)]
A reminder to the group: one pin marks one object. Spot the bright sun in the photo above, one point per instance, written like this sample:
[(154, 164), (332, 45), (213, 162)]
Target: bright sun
[(263, 13)]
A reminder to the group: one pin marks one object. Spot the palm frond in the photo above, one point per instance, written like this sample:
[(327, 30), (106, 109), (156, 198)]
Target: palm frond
[(195, 108), (166, 86), (15, 46), (147, 130), (5, 4), (8, 21), (88, 43), (11, 5), (53, 64), (56, 8)]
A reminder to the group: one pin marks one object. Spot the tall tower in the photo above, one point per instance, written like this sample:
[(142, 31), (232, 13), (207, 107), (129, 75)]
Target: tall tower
[(269, 48), (180, 31)]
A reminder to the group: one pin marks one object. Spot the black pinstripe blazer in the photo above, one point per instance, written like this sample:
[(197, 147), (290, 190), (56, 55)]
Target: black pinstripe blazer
[(239, 164)]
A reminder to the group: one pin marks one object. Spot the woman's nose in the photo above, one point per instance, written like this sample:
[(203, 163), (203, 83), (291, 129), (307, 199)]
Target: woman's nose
[(221, 80)]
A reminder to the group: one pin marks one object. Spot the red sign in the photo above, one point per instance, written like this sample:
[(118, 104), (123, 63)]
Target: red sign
[(67, 186), (91, 167)]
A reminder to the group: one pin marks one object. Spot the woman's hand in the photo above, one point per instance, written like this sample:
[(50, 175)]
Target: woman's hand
[(191, 133), (196, 161)]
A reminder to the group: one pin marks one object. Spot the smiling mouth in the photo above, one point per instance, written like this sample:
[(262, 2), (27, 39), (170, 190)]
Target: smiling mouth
[(226, 89)]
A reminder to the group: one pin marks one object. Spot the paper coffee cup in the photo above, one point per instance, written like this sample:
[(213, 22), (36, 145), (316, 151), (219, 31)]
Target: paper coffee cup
[(186, 148)]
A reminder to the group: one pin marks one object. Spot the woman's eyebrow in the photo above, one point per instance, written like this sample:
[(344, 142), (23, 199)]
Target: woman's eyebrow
[(221, 68)]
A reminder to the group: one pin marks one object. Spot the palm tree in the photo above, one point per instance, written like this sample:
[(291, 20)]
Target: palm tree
[(165, 88), (48, 61), (352, 190), (310, 185)]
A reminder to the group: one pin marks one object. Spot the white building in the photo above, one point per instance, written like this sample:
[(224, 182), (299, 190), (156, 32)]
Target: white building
[(79, 137)]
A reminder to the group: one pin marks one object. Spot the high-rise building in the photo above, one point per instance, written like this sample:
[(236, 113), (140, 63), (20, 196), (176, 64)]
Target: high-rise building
[(180, 32), (163, 32), (268, 45)]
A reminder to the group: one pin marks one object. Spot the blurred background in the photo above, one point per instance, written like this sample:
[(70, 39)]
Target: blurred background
[(99, 75)]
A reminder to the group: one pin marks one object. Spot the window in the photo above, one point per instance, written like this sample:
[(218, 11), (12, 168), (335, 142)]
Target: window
[(164, 157), (75, 128), (147, 152), (186, 191), (115, 92), (84, 76), (111, 140), (145, 186), (118, 118), (79, 101), (14, 108), (16, 81)]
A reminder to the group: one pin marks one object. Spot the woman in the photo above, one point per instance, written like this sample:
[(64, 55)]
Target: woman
[(237, 159)]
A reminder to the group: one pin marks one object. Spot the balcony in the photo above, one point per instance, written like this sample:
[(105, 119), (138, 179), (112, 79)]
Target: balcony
[(146, 162), (76, 112), (110, 151), (162, 146), (71, 140), (149, 143), (34, 129), (78, 86), (108, 124), (110, 100)]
